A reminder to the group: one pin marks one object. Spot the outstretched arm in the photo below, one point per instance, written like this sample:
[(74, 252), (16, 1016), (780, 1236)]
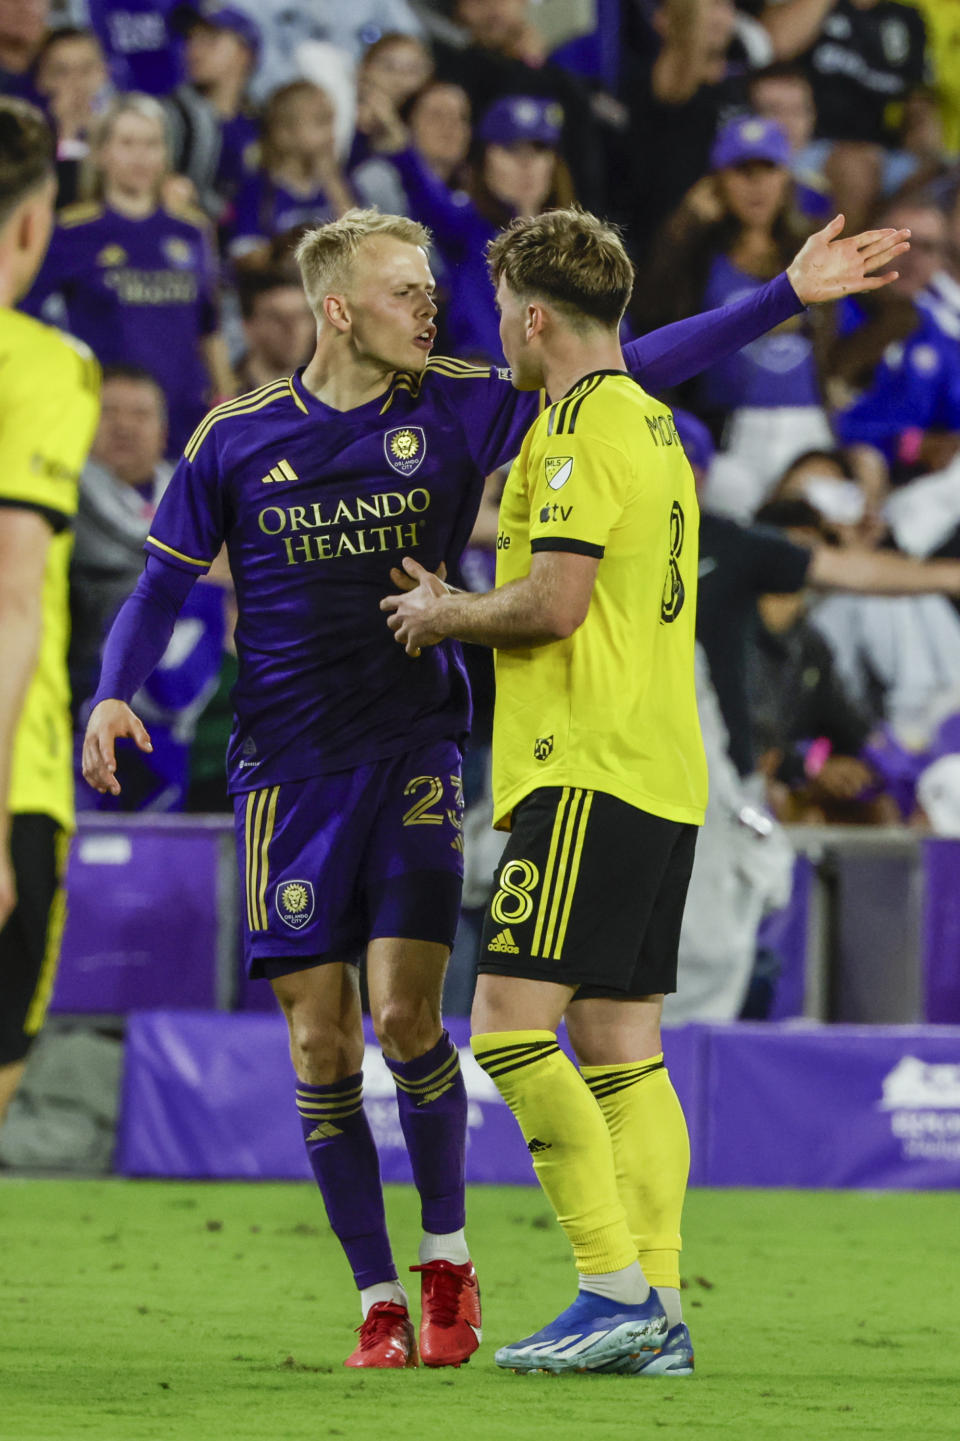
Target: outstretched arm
[(826, 268), (136, 643)]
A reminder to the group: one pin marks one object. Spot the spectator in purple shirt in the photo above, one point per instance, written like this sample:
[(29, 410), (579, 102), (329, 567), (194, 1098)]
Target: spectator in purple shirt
[(732, 233), (71, 77), (299, 182), (138, 280), (214, 135)]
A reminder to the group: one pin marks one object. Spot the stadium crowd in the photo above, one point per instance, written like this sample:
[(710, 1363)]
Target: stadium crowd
[(195, 145)]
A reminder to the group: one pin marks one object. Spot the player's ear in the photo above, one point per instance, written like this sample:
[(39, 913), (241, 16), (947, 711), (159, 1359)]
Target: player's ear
[(533, 321), (336, 311)]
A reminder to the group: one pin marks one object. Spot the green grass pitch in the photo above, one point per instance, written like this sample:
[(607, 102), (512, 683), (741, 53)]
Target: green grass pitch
[(134, 1311)]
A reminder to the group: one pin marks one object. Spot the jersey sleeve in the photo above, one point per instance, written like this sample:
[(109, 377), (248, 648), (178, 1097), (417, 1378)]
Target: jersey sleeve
[(188, 528), (578, 490), (48, 415), (494, 417), (677, 352)]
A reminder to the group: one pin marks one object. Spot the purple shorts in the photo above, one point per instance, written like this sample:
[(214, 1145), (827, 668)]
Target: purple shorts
[(329, 863)]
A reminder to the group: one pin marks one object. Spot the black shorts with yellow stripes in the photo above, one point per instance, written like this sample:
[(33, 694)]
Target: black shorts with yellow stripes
[(590, 893), (30, 940)]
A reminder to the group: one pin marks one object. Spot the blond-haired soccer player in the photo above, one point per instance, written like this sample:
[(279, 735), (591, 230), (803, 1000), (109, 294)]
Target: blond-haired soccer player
[(345, 757), (48, 413), (599, 775)]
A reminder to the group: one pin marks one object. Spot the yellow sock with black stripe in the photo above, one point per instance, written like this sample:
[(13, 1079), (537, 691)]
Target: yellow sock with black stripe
[(652, 1150), (568, 1140)]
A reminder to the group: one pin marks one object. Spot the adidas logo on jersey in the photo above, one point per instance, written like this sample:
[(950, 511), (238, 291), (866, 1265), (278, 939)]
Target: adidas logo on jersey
[(504, 942), (535, 1146), (283, 470), (324, 1131)]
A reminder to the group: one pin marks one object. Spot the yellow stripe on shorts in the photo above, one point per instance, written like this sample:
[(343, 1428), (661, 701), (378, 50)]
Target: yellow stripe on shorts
[(258, 824), (562, 870)]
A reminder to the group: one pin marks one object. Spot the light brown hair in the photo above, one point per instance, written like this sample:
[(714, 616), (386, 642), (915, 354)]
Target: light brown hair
[(26, 153), (569, 258), (326, 254)]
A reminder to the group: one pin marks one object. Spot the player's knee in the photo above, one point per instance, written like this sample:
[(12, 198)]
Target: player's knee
[(406, 1027), (323, 1051)]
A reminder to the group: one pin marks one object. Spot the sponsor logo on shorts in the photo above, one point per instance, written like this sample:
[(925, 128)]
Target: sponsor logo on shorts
[(534, 1146), (295, 903), (504, 943), (405, 448), (542, 747)]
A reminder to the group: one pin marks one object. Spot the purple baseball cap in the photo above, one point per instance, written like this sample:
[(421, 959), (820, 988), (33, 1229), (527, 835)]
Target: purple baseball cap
[(750, 138), (516, 118), (222, 17)]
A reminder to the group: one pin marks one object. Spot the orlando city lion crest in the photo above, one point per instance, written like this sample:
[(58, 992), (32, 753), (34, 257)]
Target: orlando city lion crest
[(295, 903), (405, 448)]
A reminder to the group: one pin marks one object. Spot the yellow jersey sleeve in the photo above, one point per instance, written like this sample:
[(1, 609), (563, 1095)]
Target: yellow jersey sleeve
[(579, 486), (47, 418)]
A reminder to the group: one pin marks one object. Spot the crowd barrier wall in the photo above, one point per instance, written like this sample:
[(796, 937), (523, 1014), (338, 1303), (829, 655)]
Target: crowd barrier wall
[(209, 1095)]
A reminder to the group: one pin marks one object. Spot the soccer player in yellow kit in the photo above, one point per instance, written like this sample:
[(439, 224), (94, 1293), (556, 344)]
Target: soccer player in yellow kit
[(48, 413), (599, 774)]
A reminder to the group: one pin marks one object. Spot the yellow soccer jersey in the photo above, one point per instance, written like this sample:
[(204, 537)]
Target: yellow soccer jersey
[(48, 413), (613, 708)]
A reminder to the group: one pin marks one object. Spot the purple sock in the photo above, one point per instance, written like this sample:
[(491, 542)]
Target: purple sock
[(344, 1160), (433, 1115)]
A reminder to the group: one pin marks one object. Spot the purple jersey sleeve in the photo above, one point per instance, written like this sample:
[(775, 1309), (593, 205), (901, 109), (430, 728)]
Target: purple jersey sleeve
[(141, 632), (188, 528), (677, 352)]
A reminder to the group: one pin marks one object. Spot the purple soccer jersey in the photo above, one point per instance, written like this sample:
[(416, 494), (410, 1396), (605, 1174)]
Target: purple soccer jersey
[(139, 292), (316, 505), (332, 862)]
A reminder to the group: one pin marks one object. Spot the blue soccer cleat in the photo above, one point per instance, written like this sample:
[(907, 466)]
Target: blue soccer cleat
[(675, 1358), (593, 1334)]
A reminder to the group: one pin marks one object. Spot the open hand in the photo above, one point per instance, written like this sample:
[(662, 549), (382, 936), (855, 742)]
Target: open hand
[(108, 721), (827, 267)]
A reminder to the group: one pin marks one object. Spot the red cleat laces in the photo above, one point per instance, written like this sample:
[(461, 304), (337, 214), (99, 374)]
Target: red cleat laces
[(450, 1312), (386, 1339)]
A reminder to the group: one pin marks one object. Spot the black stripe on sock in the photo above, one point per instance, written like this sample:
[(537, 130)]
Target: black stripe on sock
[(503, 1069)]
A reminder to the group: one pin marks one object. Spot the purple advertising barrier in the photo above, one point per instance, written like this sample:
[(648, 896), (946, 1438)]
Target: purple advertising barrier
[(837, 1106), (143, 912), (212, 1095), (941, 932)]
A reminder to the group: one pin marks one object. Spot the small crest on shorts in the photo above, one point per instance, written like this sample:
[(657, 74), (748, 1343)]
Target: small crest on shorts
[(295, 903), (542, 747), (405, 448)]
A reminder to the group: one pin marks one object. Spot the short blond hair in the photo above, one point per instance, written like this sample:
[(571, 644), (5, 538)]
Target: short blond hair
[(569, 258), (326, 254)]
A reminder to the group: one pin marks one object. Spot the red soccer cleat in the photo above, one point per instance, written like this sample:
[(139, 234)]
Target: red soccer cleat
[(386, 1339), (450, 1312)]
